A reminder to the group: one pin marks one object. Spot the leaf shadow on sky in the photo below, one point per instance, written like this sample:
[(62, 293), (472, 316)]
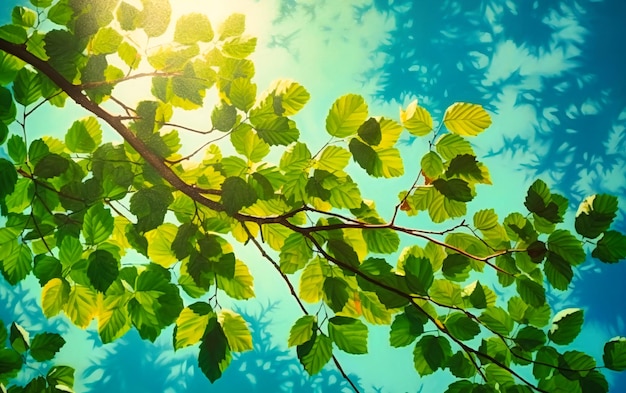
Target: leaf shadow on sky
[(135, 365)]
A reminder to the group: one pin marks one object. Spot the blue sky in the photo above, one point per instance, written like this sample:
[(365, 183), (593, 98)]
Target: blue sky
[(544, 70)]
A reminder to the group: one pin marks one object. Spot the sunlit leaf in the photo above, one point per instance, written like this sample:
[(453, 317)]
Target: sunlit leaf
[(192, 28), (346, 115), (236, 331), (466, 119), (317, 355), (54, 296), (416, 119), (302, 330), (97, 224)]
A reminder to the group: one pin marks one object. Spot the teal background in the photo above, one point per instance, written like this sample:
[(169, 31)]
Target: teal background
[(550, 72)]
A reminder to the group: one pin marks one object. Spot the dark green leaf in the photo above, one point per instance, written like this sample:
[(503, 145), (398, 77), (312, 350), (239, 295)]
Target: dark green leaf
[(343, 252), (50, 166), (8, 178), (375, 267), (430, 354), (19, 338), (26, 87), (611, 248), (539, 201), (419, 274), (102, 269), (558, 271), (61, 375), (404, 330), (532, 293), (530, 338), (464, 165), (537, 251), (45, 345), (370, 132), (477, 297), (315, 353), (364, 155), (214, 355), (595, 215), (97, 224), (47, 268), (237, 194), (150, 206), (456, 267), (461, 326), (547, 359), (455, 189), (594, 382), (614, 356), (460, 366), (566, 326), (7, 108), (10, 363), (336, 293)]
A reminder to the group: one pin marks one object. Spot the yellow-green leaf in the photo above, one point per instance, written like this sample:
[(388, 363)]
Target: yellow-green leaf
[(312, 282), (160, 244), (236, 331), (346, 115), (81, 305), (416, 119), (190, 326), (302, 330), (54, 295), (466, 119), (241, 285)]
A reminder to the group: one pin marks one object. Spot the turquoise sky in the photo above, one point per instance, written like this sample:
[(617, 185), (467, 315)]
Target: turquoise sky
[(547, 71)]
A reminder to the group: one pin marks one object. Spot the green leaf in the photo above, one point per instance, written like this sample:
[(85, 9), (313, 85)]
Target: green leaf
[(191, 324), (19, 338), (498, 320), (432, 165), (13, 33), (466, 166), (302, 330), (369, 132), (404, 330), (346, 115), (84, 136), (224, 117), (563, 243), (416, 119), (611, 248), (295, 253), (539, 201), (23, 16), (319, 353), (578, 362), (50, 166), (530, 338), (102, 269), (419, 274), (456, 267), (455, 189), (160, 244), (47, 268), (26, 87), (477, 298), (364, 155), (383, 241), (460, 366), (106, 41), (18, 264), (214, 356), (8, 109), (150, 206), (237, 194), (446, 292), (349, 334), (60, 376), (291, 96), (8, 178), (312, 282), (532, 293), (547, 359), (276, 130), (192, 28), (566, 326), (373, 310), (461, 326), (466, 119), (81, 305), (450, 145), (335, 293), (595, 381), (41, 3), (10, 363), (595, 215), (614, 356), (430, 354), (236, 331), (45, 345), (558, 271), (242, 93), (97, 224)]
